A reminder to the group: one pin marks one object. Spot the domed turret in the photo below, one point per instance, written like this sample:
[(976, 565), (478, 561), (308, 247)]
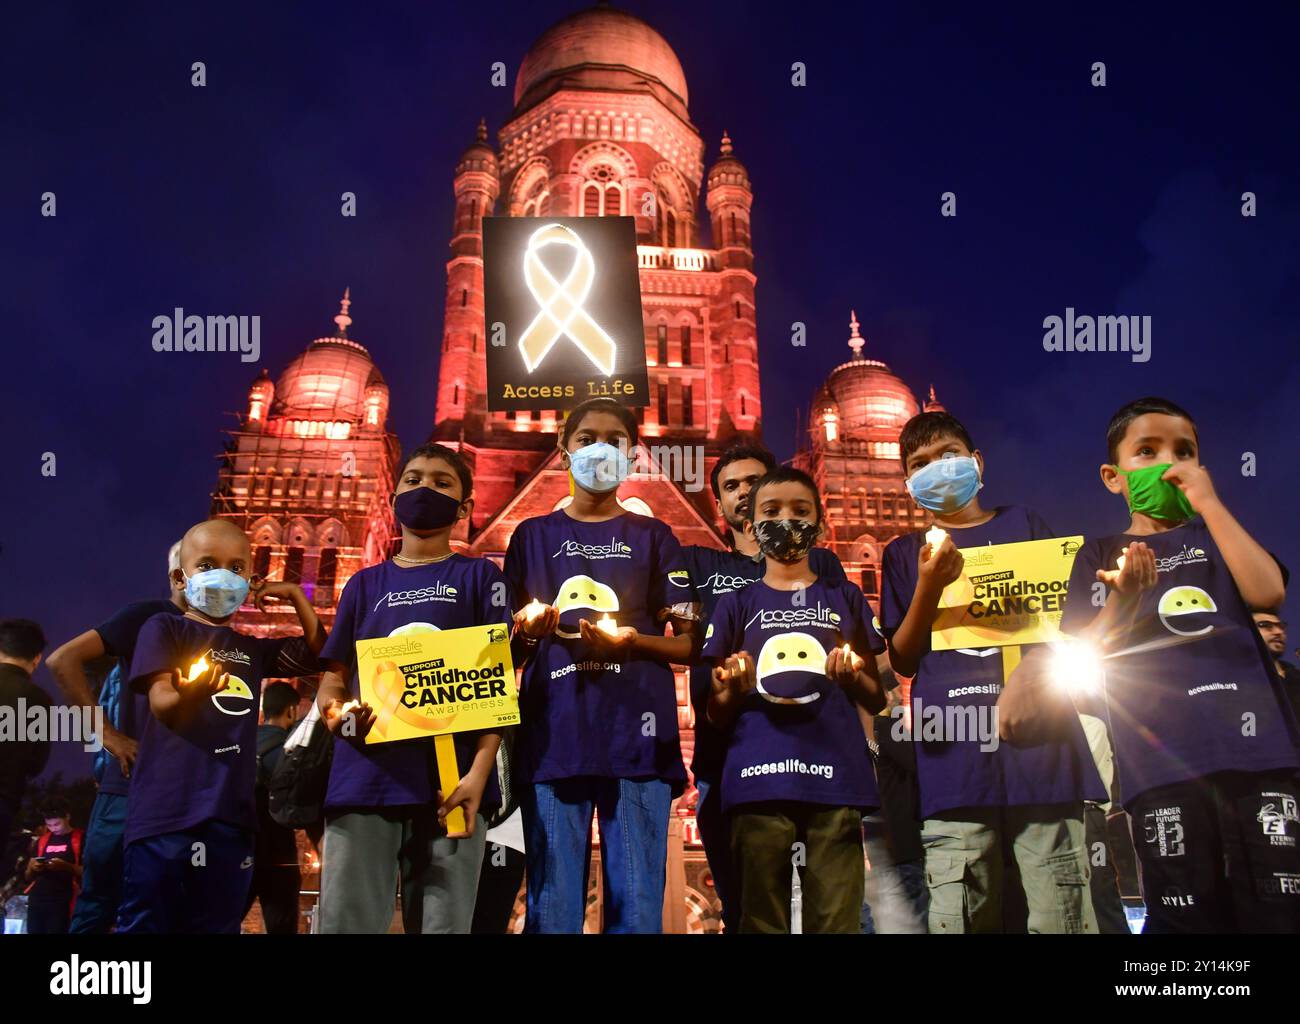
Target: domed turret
[(862, 399), (932, 404), (332, 380), (259, 397), (601, 48)]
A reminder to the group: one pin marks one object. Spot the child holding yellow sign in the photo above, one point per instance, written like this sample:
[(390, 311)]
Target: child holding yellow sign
[(976, 794), (385, 815)]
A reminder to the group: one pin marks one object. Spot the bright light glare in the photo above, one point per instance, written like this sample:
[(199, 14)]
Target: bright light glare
[(1076, 666)]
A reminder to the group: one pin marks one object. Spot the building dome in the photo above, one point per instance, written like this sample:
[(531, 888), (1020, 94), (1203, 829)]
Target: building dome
[(599, 48), (330, 380), (862, 398)]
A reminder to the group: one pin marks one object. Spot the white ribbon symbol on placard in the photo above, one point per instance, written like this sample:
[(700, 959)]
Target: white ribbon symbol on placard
[(561, 311)]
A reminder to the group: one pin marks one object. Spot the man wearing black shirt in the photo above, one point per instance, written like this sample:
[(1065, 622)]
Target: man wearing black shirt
[(21, 644), (714, 573), (101, 888), (1273, 630)]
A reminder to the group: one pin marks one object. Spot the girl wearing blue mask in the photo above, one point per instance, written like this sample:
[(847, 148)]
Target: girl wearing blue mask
[(598, 705)]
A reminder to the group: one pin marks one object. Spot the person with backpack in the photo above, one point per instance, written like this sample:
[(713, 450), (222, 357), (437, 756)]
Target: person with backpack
[(276, 877), (124, 714), (54, 873)]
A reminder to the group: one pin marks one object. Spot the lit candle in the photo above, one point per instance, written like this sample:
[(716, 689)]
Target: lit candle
[(348, 706), (1120, 562), (934, 537), (607, 624), (854, 661), (533, 611), (198, 668)]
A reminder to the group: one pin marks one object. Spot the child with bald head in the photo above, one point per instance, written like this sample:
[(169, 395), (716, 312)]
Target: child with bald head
[(191, 813)]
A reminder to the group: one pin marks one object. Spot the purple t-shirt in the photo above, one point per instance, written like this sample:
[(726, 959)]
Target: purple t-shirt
[(582, 715), (715, 573), (1202, 696), (954, 772), (813, 752), (386, 600), (205, 771)]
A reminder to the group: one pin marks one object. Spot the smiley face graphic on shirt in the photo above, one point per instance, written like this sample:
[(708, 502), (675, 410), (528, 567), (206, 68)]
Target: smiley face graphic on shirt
[(414, 627), (1181, 607), (783, 655), (236, 699)]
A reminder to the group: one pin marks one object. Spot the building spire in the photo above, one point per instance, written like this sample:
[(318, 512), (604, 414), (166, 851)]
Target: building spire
[(343, 320), (726, 143), (856, 341), (482, 129)]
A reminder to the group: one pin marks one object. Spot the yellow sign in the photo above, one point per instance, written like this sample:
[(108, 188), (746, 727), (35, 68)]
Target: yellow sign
[(1007, 594), (431, 683)]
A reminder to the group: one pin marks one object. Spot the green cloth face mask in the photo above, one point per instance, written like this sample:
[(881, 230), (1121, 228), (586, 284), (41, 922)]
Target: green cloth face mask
[(1151, 496)]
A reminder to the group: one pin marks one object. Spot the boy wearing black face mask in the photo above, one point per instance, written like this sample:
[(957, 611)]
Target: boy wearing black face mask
[(191, 811), (978, 796), (385, 818), (796, 777)]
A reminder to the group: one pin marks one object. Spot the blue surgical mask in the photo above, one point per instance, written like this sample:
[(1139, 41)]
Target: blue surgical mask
[(598, 467), (946, 485), (217, 593)]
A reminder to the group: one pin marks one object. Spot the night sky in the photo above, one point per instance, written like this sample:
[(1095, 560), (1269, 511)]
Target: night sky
[(225, 200)]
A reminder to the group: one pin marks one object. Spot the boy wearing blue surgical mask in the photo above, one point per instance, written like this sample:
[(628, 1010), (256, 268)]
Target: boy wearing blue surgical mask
[(599, 705), (978, 796), (191, 812), (1204, 738)]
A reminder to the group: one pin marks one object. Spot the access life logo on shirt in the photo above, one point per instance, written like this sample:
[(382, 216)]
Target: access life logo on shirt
[(725, 583), (817, 617), (576, 549), (419, 595)]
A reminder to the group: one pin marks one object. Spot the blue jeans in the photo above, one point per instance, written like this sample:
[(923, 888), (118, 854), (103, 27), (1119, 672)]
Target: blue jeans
[(101, 879), (633, 816), (193, 882), (715, 836)]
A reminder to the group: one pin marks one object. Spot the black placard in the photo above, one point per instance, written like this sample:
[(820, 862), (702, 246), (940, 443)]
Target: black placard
[(550, 346)]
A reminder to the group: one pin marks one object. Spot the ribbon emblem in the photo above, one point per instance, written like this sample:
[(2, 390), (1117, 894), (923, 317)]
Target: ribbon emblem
[(390, 684), (561, 313)]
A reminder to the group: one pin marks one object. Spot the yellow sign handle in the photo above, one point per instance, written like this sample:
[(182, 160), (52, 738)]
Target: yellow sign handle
[(449, 778), (1010, 659)]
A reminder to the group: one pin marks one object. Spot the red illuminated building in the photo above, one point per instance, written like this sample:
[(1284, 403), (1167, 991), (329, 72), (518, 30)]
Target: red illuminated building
[(600, 127)]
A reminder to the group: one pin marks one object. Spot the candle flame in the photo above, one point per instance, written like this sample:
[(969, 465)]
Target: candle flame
[(934, 537), (1120, 562), (348, 706), (607, 624), (533, 610), (198, 668)]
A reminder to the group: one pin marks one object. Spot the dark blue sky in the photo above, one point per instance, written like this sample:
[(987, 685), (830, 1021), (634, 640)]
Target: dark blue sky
[(226, 200)]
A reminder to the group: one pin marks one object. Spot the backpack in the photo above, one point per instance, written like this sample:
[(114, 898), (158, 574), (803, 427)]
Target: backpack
[(296, 789), (110, 699)]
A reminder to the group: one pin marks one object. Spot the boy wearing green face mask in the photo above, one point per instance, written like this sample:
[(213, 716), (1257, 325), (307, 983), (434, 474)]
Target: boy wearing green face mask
[(1204, 743)]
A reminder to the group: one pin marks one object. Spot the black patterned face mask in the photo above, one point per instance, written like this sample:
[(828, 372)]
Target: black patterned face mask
[(786, 540)]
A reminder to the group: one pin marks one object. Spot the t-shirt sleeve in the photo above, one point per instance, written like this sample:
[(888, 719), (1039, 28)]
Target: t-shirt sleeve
[(496, 602), (120, 631), (863, 635), (1079, 607), (670, 581), (826, 564), (721, 638), (514, 568), (896, 587), (340, 645), (1038, 526), (156, 650)]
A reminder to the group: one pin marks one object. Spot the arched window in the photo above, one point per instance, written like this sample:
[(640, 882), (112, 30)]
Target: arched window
[(325, 576), (602, 195), (686, 344), (455, 395), (537, 201)]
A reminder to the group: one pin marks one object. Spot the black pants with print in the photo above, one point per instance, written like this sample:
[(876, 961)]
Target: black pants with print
[(1220, 854)]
